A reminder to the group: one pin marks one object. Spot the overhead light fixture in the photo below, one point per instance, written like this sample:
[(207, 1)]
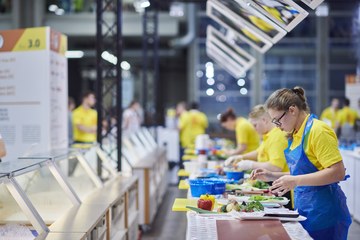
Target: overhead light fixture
[(322, 10), (140, 5), (109, 57), (53, 8), (176, 9), (74, 54), (59, 11), (125, 65)]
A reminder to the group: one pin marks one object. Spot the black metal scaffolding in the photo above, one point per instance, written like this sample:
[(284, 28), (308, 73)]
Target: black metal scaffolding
[(109, 81), (151, 49)]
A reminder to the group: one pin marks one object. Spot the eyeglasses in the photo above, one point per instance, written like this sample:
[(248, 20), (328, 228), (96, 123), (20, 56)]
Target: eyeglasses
[(277, 121)]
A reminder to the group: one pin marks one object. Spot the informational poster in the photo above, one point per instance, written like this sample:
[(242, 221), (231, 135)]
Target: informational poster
[(33, 91)]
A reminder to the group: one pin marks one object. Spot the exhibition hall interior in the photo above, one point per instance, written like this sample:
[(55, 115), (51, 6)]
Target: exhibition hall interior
[(179, 119)]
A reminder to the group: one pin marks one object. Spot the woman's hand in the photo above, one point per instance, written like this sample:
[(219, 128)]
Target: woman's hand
[(261, 174), (284, 184), (232, 160)]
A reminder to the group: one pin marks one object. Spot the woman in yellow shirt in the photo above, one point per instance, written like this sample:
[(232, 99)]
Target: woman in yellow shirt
[(247, 139), (270, 153), (315, 166)]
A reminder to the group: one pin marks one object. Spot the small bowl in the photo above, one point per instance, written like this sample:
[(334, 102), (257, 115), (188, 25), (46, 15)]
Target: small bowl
[(199, 187), (236, 175)]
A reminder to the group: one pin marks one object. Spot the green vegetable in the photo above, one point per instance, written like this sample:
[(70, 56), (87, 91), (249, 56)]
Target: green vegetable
[(223, 209), (261, 184)]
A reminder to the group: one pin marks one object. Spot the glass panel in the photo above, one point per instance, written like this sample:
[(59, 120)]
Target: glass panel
[(340, 26), (337, 79), (5, 6)]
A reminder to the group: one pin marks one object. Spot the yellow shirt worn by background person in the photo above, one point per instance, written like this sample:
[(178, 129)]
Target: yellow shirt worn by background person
[(191, 124), (272, 149), (87, 118), (347, 115), (246, 134), (330, 115), (320, 145)]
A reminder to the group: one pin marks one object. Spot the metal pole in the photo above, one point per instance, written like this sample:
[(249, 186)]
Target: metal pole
[(119, 44), (99, 70)]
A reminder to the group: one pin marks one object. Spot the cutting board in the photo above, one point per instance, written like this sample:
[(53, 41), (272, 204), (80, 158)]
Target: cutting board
[(251, 230)]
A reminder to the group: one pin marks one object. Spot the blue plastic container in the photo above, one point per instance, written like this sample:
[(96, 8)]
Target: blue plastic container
[(219, 186), (234, 175), (199, 187)]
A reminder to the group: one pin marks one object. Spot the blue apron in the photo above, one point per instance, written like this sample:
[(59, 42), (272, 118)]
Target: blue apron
[(324, 206)]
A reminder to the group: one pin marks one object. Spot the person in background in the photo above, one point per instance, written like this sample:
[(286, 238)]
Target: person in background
[(191, 124), (181, 108), (347, 115), (131, 118), (2, 148), (71, 107), (315, 165), (270, 153), (330, 114), (247, 139), (181, 111), (85, 120)]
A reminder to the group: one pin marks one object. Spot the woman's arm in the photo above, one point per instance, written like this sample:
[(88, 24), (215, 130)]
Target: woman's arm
[(332, 174), (266, 175)]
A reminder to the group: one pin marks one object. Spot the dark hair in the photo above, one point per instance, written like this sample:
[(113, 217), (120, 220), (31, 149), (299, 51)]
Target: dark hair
[(194, 105), (71, 101), (228, 114), (133, 102), (283, 98), (347, 102), (87, 93)]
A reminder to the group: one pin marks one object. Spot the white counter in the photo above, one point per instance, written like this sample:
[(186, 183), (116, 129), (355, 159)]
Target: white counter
[(351, 186)]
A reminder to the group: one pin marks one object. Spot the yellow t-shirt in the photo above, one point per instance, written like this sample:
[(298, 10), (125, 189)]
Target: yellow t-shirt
[(85, 117), (246, 134), (320, 145), (272, 149), (330, 115), (347, 115), (191, 124)]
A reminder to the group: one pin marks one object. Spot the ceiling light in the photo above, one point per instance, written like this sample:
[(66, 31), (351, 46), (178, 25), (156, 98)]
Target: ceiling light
[(74, 54)]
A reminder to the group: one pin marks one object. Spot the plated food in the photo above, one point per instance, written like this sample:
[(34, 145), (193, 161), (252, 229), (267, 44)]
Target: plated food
[(232, 204)]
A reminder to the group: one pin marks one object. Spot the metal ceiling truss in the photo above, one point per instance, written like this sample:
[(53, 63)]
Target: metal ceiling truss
[(108, 83)]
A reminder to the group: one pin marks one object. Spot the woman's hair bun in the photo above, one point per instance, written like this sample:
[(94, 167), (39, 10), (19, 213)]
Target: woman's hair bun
[(299, 90)]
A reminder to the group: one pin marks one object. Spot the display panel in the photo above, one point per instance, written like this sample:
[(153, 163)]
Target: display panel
[(312, 3), (235, 59), (251, 18), (284, 13), (242, 32)]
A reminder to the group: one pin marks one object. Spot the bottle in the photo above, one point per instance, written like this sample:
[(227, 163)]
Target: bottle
[(202, 158)]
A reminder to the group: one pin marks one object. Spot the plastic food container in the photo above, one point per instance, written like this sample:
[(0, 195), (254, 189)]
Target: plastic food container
[(236, 175), (219, 186), (199, 187)]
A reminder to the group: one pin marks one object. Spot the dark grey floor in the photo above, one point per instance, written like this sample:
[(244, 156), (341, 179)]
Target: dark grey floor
[(168, 224), (172, 225)]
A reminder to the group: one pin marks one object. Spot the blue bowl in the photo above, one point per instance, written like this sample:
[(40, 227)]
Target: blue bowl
[(199, 187), (219, 186), (234, 175)]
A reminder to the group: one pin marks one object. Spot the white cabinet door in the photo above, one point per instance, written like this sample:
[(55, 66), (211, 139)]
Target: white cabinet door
[(357, 189)]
